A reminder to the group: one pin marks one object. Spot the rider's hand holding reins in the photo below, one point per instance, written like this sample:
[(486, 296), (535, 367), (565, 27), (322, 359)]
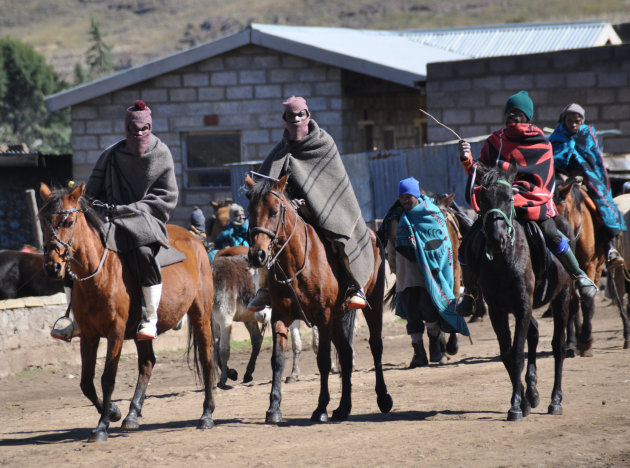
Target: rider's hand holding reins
[(464, 150)]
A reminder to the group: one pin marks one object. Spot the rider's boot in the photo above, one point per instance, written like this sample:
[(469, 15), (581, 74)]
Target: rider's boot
[(72, 329), (586, 288), (355, 298), (436, 346), (613, 257), (262, 298), (147, 330), (419, 358)]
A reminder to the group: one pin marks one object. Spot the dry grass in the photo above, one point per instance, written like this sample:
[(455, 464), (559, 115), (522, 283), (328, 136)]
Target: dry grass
[(141, 30)]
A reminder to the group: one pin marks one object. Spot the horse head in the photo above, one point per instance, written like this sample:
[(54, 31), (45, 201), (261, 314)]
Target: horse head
[(267, 209), (496, 207), (59, 216)]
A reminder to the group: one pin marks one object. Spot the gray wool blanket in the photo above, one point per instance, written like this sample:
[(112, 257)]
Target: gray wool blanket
[(318, 175), (143, 189)]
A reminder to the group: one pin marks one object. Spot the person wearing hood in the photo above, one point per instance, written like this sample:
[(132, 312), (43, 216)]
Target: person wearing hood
[(318, 179), (523, 144), (576, 152), (135, 178), (236, 232)]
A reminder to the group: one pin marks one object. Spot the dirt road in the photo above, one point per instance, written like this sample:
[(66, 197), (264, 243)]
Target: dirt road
[(451, 415)]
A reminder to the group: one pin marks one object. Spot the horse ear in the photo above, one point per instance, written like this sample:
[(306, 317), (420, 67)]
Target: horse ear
[(77, 193), (249, 182), (449, 199), (282, 183), (44, 191), (511, 172)]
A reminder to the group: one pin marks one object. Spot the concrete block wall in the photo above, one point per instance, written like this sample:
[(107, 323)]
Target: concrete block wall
[(469, 95), (244, 88)]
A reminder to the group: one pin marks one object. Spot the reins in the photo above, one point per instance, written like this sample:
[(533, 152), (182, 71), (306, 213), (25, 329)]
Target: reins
[(508, 219)]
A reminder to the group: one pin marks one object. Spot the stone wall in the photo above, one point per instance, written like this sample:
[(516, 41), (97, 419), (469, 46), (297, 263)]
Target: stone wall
[(469, 95)]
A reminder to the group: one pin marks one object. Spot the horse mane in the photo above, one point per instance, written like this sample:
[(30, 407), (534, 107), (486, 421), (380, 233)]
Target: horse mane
[(55, 201), (260, 189)]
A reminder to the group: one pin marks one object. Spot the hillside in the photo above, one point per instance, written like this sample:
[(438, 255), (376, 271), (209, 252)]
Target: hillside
[(141, 30)]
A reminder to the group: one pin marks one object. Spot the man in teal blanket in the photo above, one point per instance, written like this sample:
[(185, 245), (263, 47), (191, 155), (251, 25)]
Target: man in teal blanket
[(575, 150), (421, 256)]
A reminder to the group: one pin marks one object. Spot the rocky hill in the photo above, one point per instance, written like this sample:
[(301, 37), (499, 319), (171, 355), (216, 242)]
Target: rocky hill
[(142, 30)]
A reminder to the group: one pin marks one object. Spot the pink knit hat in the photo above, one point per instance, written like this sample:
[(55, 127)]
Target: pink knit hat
[(140, 115), (296, 130)]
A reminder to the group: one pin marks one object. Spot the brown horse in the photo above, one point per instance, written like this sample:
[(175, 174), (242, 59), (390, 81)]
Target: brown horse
[(578, 209), (22, 274), (219, 219), (303, 283), (620, 277), (106, 301)]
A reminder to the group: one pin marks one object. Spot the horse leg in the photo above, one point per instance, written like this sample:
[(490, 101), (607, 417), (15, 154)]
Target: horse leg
[(89, 347), (224, 356), (374, 318), (342, 339), (532, 399), (296, 347), (108, 380), (199, 316), (558, 344), (274, 415), (323, 364), (256, 339), (619, 292), (585, 336), (146, 362), (574, 310)]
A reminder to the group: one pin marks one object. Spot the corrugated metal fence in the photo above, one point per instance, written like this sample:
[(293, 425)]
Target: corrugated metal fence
[(375, 175)]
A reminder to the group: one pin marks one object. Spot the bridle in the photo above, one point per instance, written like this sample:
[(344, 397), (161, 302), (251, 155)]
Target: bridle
[(274, 243), (509, 219), (57, 244)]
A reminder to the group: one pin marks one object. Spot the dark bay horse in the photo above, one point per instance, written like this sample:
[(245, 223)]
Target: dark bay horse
[(106, 301), (578, 209), (303, 283), (513, 283), (22, 274)]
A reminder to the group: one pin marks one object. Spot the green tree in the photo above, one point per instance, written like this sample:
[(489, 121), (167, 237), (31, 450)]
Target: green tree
[(25, 79), (98, 56)]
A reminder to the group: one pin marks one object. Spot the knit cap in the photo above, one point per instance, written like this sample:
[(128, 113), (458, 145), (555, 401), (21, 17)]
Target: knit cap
[(522, 102), (573, 107), (409, 186)]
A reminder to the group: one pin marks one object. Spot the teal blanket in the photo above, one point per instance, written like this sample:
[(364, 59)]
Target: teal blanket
[(422, 232)]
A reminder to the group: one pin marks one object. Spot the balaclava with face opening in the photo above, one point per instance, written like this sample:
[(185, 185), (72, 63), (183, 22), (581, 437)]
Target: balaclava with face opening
[(139, 114), (296, 130)]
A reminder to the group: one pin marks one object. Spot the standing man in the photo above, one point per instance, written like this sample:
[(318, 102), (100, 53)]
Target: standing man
[(136, 179), (319, 179), (575, 150), (523, 144), (421, 256)]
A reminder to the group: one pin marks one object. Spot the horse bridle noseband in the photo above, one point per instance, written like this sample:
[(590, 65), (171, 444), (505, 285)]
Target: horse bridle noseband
[(508, 219), (66, 256), (273, 235)]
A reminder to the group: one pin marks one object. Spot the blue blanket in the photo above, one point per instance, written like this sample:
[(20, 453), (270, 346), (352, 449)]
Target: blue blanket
[(423, 230), (580, 152)]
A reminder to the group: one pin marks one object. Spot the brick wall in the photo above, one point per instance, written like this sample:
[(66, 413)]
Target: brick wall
[(469, 95)]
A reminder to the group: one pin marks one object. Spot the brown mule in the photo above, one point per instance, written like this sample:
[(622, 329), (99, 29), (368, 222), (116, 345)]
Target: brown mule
[(106, 301), (303, 283)]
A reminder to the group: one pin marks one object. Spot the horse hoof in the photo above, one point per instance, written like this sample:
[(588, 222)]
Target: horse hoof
[(98, 436), (554, 408), (130, 424), (452, 347), (205, 423), (340, 414), (232, 374), (569, 353), (586, 352), (626, 344), (290, 379), (114, 413), (533, 397), (475, 318), (319, 416), (385, 403), (248, 378), (273, 417), (514, 415)]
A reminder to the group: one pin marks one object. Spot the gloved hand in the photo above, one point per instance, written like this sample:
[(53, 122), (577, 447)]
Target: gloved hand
[(464, 150), (296, 203)]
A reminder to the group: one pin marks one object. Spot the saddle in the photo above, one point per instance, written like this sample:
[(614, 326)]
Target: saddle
[(169, 256)]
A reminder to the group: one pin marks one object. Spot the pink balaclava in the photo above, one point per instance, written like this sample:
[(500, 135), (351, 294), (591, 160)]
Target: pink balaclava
[(296, 130), (139, 114)]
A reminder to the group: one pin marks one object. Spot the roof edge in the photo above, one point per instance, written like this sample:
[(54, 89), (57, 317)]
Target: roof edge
[(146, 71)]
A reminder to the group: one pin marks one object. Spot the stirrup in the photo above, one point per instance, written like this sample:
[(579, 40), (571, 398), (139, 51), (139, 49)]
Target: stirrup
[(146, 331), (586, 288), (66, 333), (357, 299), (260, 300), (614, 259)]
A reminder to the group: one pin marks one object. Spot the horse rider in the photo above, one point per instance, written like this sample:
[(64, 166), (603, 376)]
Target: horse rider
[(575, 150), (236, 232), (523, 144), (135, 178), (197, 224), (319, 182), (424, 269)]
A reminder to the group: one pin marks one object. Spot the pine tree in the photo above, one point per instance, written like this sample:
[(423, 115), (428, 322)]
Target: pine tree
[(98, 56)]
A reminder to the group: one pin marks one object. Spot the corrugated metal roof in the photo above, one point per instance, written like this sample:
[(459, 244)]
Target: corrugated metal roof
[(396, 56)]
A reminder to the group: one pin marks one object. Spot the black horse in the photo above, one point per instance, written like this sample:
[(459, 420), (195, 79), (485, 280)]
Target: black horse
[(517, 274), (22, 274)]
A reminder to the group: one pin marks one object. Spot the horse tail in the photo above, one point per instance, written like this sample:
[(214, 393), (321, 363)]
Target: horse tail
[(390, 297), (194, 347)]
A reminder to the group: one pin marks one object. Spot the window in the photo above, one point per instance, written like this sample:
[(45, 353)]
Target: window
[(388, 139), (205, 155)]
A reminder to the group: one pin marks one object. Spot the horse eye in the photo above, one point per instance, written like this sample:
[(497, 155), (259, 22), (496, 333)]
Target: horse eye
[(273, 213)]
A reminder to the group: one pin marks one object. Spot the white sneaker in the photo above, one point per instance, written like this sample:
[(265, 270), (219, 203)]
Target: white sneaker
[(147, 331)]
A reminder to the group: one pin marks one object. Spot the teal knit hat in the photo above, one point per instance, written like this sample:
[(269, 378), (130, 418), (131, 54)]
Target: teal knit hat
[(522, 102)]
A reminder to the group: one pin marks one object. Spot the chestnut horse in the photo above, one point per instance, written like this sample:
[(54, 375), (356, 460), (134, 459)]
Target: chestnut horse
[(303, 284), (514, 279), (578, 209), (106, 301)]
